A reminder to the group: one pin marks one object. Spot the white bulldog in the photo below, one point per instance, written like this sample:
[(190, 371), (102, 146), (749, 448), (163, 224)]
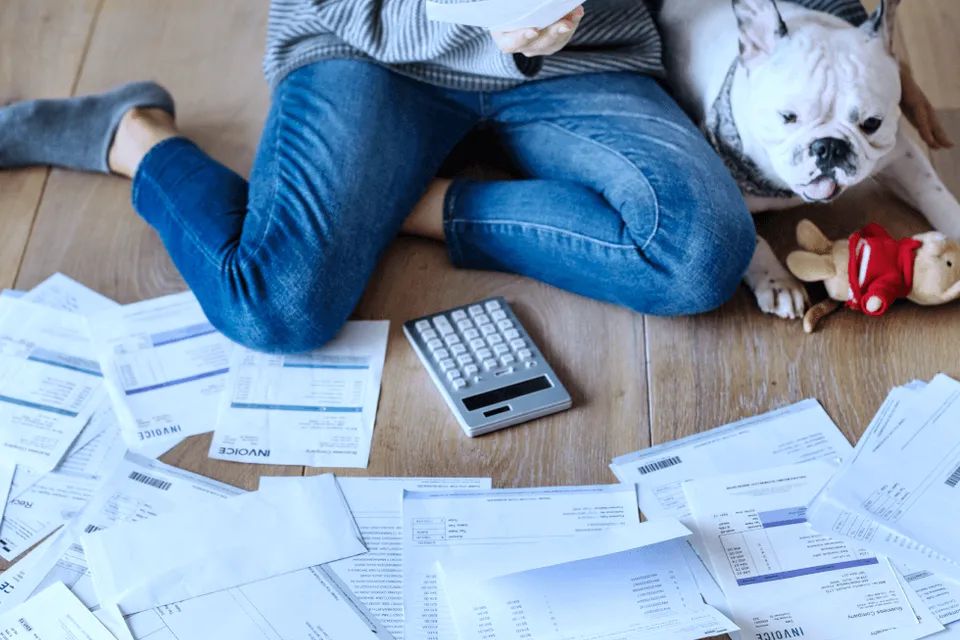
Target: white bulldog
[(801, 105)]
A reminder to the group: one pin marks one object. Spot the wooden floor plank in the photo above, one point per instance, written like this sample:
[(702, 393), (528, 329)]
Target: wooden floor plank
[(929, 29), (207, 52), (41, 47), (596, 349)]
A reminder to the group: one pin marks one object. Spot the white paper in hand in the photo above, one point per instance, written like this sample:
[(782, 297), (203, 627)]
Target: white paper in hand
[(194, 551), (501, 15)]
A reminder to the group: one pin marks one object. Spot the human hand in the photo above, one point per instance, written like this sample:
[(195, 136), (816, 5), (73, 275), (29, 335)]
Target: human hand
[(919, 111), (540, 42)]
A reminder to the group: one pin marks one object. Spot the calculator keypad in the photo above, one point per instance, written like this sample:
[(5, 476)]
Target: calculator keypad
[(467, 343)]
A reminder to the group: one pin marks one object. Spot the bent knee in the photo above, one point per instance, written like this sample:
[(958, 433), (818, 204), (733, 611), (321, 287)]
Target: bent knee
[(277, 326), (718, 259)]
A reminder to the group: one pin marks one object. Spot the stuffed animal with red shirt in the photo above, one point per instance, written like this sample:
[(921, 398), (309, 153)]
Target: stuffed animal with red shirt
[(870, 270)]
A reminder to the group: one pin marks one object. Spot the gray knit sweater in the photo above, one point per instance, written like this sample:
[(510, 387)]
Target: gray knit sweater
[(614, 35)]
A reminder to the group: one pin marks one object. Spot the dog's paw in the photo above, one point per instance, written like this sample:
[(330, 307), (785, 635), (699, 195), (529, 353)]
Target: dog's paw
[(782, 296)]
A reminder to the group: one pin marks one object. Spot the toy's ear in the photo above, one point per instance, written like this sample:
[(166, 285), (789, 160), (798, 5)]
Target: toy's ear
[(811, 238), (811, 267)]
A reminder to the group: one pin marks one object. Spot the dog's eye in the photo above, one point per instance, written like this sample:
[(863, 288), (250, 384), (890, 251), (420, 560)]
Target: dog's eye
[(870, 125), (949, 264), (789, 117)]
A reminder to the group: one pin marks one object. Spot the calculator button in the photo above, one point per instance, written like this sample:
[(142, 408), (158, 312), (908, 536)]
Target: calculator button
[(452, 339), (484, 353), (458, 383), (470, 369), (492, 305), (453, 374), (440, 354), (518, 344), (470, 334), (505, 324), (511, 334), (434, 344), (506, 359), (457, 349), (428, 334), (489, 364), (445, 330), (524, 354), (494, 339), (446, 365), (482, 319), (497, 315), (475, 310), (422, 325), (465, 359), (459, 314), (477, 343), (487, 329), (440, 321), (463, 325), (501, 349)]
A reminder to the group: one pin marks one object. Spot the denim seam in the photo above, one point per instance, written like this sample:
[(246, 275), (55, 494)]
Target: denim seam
[(244, 258), (628, 162), (600, 114), (543, 227), (173, 212), (453, 243)]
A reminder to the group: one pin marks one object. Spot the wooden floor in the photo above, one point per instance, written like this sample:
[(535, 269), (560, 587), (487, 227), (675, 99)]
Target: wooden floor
[(636, 380)]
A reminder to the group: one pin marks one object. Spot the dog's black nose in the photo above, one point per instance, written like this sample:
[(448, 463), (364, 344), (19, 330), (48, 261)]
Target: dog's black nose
[(830, 152)]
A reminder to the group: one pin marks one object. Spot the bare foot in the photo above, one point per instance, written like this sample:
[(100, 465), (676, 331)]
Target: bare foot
[(426, 220), (139, 131)]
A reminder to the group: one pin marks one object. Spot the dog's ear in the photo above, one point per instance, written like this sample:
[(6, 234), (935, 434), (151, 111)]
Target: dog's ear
[(881, 22), (761, 27)]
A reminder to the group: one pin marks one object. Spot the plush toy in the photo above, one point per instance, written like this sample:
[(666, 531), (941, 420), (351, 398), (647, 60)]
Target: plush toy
[(871, 269)]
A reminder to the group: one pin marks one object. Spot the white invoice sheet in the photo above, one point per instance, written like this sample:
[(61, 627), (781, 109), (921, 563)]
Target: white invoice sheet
[(498, 526), (376, 577), (139, 488), (940, 595), (50, 382), (644, 592), (39, 504), (196, 550), (899, 494), (782, 577), (60, 292), (165, 367), (797, 433), (315, 409), (54, 614)]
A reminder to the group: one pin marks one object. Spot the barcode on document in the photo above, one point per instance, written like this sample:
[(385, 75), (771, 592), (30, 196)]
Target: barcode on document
[(152, 482), (954, 478), (659, 464), (90, 528)]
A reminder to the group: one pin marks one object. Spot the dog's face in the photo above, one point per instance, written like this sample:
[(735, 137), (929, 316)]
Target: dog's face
[(822, 97)]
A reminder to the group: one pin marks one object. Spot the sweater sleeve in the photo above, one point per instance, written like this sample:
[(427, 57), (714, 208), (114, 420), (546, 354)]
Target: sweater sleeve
[(850, 10)]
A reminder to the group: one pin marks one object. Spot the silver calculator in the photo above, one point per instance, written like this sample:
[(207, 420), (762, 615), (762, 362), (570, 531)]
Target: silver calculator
[(486, 366)]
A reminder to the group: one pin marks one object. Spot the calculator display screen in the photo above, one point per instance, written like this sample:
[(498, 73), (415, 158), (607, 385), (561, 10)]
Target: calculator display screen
[(472, 403)]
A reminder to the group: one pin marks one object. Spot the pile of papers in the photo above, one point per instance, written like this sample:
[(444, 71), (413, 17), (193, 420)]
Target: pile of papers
[(802, 536), (773, 527)]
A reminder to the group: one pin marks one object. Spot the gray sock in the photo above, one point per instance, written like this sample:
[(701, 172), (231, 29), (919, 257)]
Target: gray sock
[(75, 133)]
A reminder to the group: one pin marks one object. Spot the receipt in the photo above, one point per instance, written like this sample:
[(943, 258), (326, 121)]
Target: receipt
[(646, 592), (39, 504), (798, 433), (200, 549), (500, 525), (6, 480), (315, 409), (50, 382), (60, 292), (165, 367), (900, 492), (782, 577), (54, 614)]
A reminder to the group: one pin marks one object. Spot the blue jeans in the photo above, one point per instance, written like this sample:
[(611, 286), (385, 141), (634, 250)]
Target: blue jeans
[(621, 199)]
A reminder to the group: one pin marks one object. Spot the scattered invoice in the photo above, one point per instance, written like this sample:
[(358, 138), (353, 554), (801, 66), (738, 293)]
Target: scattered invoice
[(315, 409)]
